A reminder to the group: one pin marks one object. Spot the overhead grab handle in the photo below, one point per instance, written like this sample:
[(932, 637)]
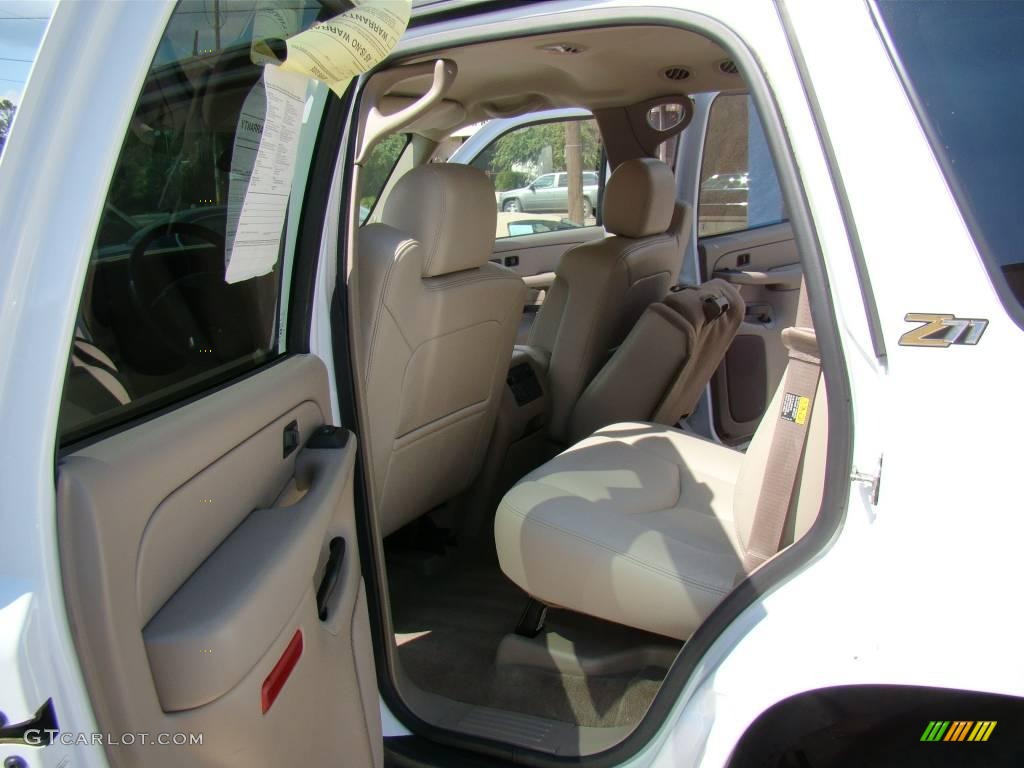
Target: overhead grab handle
[(377, 125)]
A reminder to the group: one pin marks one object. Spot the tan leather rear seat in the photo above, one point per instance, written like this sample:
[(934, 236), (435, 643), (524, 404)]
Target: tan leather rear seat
[(645, 525)]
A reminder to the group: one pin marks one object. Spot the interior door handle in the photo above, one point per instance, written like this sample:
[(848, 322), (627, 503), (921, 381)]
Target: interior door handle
[(332, 574), (784, 278)]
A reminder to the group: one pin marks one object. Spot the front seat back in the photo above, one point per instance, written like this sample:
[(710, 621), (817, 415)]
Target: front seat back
[(437, 323), (602, 287)]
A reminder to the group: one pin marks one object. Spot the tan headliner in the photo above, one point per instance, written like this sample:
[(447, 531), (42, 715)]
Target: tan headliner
[(619, 66)]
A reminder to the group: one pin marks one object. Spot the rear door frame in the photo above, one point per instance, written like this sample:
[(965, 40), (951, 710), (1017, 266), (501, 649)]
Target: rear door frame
[(41, 285), (409, 740)]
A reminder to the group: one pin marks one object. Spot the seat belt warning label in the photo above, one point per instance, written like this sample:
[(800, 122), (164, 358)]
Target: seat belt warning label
[(795, 408)]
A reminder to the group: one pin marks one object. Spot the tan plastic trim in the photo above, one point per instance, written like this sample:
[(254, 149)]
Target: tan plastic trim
[(377, 125), (541, 281)]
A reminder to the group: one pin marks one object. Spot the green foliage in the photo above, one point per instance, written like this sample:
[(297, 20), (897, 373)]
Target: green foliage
[(7, 110), (150, 174), (507, 179), (378, 167), (526, 146)]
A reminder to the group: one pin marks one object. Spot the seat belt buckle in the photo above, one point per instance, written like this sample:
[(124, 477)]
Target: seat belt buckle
[(714, 307)]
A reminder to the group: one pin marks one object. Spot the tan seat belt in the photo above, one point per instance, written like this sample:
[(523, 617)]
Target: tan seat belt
[(714, 330), (779, 484)]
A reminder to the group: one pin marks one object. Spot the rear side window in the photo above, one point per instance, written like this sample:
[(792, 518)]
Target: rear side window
[(738, 186), (545, 177), (962, 64), (380, 167), (158, 322)]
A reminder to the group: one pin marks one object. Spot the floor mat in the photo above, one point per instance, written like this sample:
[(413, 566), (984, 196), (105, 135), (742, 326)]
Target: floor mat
[(448, 627)]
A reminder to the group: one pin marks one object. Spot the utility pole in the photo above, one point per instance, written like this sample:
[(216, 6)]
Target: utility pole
[(574, 170), (217, 24)]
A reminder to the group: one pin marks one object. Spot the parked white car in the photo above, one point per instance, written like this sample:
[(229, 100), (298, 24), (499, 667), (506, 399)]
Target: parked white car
[(280, 487)]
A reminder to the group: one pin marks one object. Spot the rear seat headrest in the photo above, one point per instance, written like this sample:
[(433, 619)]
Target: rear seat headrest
[(639, 199), (449, 209)]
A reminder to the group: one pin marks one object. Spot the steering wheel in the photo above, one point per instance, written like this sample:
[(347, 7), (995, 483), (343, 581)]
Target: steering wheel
[(182, 299)]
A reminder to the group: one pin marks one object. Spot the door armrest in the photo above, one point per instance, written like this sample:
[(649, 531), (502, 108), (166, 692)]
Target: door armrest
[(212, 631), (785, 278), (542, 281)]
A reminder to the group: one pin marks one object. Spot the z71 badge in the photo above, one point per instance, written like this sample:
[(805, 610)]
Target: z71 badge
[(942, 330)]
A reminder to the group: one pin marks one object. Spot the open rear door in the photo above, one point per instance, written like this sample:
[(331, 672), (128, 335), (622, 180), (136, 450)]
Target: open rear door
[(744, 238), (764, 265), (205, 514), (212, 575)]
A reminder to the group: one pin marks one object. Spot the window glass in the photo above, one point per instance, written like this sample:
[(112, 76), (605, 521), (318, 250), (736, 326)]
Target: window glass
[(545, 177), (738, 186), (157, 320), (22, 26), (380, 166), (963, 61)]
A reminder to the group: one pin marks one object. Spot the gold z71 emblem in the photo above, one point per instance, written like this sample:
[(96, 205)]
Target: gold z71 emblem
[(942, 330)]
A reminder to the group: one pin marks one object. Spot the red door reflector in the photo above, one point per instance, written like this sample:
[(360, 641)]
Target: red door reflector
[(279, 674)]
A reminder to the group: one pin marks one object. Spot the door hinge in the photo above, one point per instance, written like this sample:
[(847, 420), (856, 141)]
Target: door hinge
[(871, 479)]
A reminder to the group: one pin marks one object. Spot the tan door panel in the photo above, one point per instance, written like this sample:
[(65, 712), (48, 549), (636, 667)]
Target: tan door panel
[(192, 547), (533, 254), (195, 518), (764, 264)]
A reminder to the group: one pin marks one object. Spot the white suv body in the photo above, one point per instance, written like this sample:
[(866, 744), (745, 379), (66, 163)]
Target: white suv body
[(913, 585)]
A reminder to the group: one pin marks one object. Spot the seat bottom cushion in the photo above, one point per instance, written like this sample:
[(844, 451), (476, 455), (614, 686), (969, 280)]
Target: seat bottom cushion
[(632, 524)]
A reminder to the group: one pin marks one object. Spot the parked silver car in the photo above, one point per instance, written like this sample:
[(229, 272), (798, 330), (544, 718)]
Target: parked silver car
[(549, 192)]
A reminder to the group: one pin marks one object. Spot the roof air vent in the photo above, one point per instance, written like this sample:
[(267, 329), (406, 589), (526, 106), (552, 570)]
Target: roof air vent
[(728, 67), (675, 73), (563, 49)]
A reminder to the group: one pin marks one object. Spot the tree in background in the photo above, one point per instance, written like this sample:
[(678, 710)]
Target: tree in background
[(7, 110), (525, 147), (378, 168), (509, 179)]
